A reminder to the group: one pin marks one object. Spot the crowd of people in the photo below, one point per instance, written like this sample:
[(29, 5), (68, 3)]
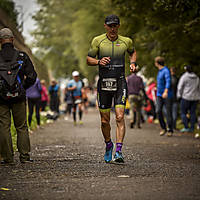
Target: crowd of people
[(166, 98), (155, 99)]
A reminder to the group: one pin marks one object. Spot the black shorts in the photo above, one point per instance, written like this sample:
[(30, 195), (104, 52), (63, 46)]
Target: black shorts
[(119, 96)]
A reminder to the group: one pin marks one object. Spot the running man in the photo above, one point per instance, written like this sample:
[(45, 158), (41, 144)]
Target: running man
[(75, 86), (108, 51)]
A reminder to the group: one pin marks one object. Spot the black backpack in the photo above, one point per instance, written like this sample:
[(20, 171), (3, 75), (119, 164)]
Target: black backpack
[(10, 82)]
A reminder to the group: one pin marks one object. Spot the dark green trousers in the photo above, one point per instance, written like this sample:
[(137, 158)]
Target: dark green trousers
[(18, 111)]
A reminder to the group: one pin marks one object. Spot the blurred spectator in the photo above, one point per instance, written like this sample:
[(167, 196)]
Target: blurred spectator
[(189, 93), (151, 94), (44, 95), (174, 82), (14, 103), (92, 97), (84, 98), (33, 95), (75, 86), (164, 96), (54, 96), (135, 97), (69, 103)]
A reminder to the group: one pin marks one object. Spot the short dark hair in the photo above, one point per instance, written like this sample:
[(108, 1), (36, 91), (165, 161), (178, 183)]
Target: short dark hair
[(173, 69), (188, 68), (160, 60)]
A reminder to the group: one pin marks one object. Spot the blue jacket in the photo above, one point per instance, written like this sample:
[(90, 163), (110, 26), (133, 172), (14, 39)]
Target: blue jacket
[(164, 81)]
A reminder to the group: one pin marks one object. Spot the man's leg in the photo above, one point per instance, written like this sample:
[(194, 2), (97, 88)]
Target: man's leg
[(30, 110), (184, 109), (174, 113), (23, 141), (37, 111), (6, 148), (80, 112), (74, 113), (105, 125), (153, 109), (160, 112), (139, 113), (193, 119), (168, 105), (132, 118), (120, 131)]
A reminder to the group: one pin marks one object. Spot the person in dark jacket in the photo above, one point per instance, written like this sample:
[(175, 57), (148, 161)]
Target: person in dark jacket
[(54, 96), (174, 83), (33, 95), (15, 104), (135, 96)]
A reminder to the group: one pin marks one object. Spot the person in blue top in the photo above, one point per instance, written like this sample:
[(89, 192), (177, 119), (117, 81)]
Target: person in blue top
[(75, 86), (164, 96), (54, 96)]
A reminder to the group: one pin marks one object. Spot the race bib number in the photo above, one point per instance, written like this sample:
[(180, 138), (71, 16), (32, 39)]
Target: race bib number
[(109, 84)]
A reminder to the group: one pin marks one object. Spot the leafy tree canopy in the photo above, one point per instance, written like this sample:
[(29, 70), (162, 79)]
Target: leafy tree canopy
[(168, 28), (9, 7)]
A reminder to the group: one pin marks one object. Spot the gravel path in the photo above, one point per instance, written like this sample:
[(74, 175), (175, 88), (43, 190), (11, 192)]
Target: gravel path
[(68, 164)]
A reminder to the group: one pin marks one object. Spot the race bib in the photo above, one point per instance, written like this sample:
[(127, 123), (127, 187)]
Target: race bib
[(109, 84)]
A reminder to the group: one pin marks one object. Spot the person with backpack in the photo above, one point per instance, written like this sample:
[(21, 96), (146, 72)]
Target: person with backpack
[(17, 74)]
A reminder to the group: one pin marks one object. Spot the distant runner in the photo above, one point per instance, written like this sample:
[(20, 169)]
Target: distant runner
[(108, 51), (75, 86)]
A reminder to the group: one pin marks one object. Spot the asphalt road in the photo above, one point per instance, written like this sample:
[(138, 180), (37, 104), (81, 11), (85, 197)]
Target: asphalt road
[(68, 164)]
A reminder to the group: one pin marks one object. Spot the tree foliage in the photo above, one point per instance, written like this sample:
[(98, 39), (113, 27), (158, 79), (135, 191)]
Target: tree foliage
[(169, 28), (9, 7)]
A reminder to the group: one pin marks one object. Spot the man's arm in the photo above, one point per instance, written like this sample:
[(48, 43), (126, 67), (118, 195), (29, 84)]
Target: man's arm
[(71, 86), (30, 72), (93, 61), (180, 88), (167, 84)]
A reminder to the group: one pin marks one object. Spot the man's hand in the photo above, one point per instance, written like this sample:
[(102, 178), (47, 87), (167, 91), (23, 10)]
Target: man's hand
[(165, 94), (104, 61), (132, 67), (72, 88)]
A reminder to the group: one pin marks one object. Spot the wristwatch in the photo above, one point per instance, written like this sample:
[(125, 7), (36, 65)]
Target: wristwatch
[(134, 63)]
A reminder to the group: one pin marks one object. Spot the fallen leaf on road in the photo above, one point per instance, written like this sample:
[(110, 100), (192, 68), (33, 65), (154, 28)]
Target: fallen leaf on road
[(5, 189), (123, 176)]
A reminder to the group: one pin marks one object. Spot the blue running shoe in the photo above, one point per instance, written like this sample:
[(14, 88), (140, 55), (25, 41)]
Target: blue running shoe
[(108, 154), (118, 157)]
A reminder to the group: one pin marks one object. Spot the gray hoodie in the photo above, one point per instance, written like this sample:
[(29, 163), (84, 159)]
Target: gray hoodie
[(189, 87)]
